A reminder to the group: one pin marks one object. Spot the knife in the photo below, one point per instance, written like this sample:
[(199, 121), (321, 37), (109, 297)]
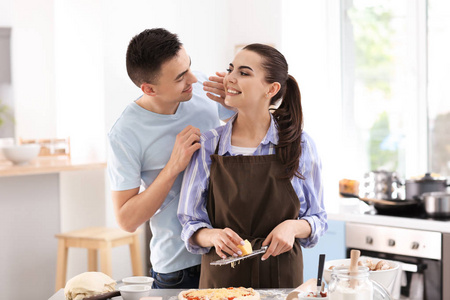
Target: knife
[(232, 259), (320, 273)]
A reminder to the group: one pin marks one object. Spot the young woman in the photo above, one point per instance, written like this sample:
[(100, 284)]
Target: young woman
[(258, 178)]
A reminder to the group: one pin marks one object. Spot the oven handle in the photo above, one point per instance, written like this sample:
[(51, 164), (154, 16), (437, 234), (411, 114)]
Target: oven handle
[(413, 268)]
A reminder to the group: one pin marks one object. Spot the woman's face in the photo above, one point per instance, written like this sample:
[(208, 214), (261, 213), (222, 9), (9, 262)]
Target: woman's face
[(245, 86)]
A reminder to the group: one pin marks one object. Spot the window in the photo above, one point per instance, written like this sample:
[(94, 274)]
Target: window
[(395, 110), (438, 82)]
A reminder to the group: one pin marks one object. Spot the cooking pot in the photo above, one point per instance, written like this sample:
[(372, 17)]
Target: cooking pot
[(437, 204), (380, 184), (414, 188)]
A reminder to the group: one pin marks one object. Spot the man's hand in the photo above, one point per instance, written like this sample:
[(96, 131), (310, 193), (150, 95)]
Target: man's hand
[(215, 89), (186, 143)]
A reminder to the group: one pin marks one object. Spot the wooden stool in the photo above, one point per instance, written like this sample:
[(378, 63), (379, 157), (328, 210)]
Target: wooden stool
[(94, 239)]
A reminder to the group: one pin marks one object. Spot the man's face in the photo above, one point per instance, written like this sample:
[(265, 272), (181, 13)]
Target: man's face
[(175, 80)]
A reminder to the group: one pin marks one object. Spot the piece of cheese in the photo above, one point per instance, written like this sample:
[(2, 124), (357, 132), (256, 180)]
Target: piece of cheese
[(246, 249)]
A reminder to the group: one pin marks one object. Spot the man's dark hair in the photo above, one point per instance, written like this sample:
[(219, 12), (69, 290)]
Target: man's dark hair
[(146, 53)]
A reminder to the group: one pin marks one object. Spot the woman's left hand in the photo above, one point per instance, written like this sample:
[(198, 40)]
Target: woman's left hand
[(282, 237)]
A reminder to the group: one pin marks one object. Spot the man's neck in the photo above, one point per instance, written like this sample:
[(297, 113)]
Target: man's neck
[(156, 105)]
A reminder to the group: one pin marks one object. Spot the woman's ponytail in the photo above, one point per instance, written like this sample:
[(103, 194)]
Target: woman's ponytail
[(289, 117)]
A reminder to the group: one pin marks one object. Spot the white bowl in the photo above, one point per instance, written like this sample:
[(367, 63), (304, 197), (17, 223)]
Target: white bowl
[(144, 280), (134, 291), (306, 296), (383, 277), (21, 154)]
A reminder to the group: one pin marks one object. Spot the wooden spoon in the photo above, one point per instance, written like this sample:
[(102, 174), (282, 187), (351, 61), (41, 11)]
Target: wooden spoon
[(354, 257)]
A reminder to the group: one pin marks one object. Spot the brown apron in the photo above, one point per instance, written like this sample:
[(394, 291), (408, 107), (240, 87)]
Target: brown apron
[(247, 195)]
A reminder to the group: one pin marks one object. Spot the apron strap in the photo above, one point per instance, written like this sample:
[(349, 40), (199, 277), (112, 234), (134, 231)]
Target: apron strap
[(217, 147)]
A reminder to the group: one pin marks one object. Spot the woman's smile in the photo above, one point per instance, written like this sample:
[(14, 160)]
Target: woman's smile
[(232, 92)]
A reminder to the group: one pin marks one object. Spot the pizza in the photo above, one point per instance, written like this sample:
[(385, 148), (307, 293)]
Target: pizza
[(232, 293)]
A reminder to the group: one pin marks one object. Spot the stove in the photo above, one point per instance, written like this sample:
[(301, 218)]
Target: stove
[(421, 253)]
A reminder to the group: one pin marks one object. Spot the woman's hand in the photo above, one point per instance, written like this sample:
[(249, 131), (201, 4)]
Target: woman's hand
[(282, 237), (224, 240)]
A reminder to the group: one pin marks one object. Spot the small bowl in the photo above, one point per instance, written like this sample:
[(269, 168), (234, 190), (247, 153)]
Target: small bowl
[(306, 296), (383, 277), (134, 291), (21, 154), (142, 280)]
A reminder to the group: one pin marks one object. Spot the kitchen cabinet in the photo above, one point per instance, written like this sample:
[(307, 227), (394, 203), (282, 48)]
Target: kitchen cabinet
[(39, 200)]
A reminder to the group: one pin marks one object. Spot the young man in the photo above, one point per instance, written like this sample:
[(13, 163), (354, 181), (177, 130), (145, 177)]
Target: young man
[(151, 144)]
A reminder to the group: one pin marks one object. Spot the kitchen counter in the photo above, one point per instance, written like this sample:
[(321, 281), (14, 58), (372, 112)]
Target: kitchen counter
[(356, 213), (46, 165), (166, 294), (45, 197)]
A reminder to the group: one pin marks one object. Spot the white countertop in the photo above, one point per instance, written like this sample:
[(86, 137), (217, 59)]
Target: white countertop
[(171, 294), (352, 210)]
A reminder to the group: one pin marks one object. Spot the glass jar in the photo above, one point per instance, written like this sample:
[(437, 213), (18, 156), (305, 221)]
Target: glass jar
[(344, 286)]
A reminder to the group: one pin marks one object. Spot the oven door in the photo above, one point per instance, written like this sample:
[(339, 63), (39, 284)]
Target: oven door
[(421, 279)]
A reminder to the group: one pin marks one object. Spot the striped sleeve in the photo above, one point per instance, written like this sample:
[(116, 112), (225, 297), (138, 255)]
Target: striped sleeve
[(192, 212), (310, 192)]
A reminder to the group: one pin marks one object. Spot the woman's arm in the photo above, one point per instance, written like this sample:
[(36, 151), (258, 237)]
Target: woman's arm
[(312, 208), (192, 212), (197, 232)]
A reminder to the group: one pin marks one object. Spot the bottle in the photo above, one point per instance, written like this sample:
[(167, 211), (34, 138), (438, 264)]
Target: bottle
[(344, 286)]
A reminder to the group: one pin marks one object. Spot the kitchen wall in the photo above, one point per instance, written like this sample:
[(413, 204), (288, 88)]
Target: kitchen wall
[(33, 68), (7, 129), (69, 74)]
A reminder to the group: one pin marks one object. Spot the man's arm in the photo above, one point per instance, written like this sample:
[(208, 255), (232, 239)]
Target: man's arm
[(133, 209)]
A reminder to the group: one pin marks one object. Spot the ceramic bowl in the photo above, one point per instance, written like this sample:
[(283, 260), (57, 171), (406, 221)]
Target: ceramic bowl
[(143, 280), (383, 277), (21, 154), (306, 296), (134, 291)]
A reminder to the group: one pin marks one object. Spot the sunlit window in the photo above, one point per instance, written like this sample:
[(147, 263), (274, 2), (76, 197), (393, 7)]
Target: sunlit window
[(438, 84), (383, 87)]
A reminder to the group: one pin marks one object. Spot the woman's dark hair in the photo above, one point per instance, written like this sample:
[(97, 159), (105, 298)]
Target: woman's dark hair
[(147, 51), (288, 115)]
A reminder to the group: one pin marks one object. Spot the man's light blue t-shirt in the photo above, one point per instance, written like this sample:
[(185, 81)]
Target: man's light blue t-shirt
[(140, 145)]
